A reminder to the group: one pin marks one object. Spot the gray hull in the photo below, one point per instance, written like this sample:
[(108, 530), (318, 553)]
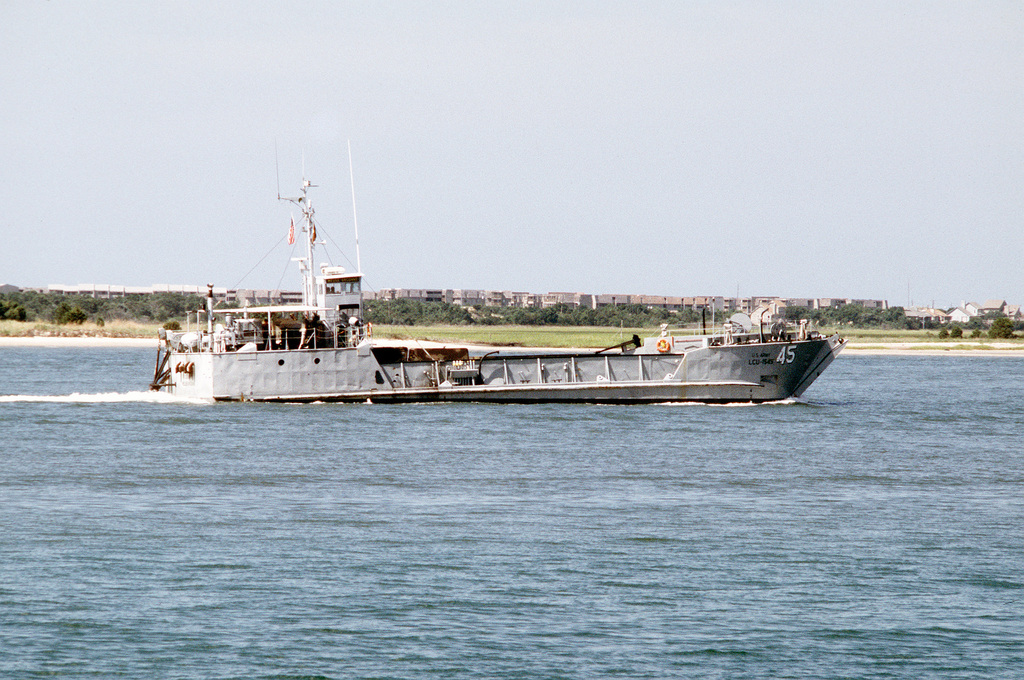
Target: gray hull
[(751, 372)]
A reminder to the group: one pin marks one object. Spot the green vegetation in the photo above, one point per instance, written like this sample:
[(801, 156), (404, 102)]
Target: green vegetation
[(66, 314), (416, 313), (12, 311), (61, 309), (29, 313), (1001, 328), (110, 329), (857, 316), (521, 336)]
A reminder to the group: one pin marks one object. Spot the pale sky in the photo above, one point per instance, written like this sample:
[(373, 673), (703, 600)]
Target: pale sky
[(821, 149)]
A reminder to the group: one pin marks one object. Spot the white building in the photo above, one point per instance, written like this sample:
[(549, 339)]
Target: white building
[(960, 316)]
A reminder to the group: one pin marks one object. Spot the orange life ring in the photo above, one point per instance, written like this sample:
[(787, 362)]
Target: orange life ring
[(664, 345)]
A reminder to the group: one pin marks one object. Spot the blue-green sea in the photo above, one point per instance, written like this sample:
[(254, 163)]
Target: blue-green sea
[(874, 531)]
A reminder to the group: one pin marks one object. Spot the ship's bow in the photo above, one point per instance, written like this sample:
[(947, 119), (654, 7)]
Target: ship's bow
[(829, 350)]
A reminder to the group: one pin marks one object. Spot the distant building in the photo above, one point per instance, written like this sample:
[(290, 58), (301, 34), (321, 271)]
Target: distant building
[(418, 294), (567, 299), (960, 315), (829, 303), (993, 307), (661, 302), (464, 298), (612, 300), (704, 302), (769, 310), (972, 308), (927, 315), (502, 298), (524, 300), (870, 304)]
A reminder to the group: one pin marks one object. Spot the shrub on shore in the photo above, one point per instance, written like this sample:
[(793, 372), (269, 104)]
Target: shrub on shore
[(1002, 328), (12, 311), (66, 314)]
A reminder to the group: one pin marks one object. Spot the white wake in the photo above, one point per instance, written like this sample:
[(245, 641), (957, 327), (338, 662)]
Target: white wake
[(738, 404)]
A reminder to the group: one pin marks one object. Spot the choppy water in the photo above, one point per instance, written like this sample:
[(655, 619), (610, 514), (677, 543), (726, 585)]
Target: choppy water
[(876, 532)]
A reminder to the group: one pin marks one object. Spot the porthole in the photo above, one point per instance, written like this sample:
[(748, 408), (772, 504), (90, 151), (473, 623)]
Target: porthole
[(280, 362), (317, 360)]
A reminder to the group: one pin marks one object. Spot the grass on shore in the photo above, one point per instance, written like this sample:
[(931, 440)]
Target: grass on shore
[(525, 336), (572, 336), (112, 329)]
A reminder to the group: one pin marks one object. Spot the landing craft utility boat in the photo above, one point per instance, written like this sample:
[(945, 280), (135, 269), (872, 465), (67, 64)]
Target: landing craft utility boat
[(322, 350)]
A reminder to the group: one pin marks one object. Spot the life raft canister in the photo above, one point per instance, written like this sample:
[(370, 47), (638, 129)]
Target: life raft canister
[(664, 345)]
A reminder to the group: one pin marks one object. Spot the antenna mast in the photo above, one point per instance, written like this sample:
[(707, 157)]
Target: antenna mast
[(355, 223), (308, 228)]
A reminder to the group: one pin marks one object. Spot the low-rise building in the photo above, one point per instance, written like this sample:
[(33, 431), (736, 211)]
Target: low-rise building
[(508, 298), (464, 298), (972, 308), (927, 315), (993, 306), (959, 315)]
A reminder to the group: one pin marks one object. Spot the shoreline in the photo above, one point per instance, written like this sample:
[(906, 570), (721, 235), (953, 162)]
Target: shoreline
[(929, 352), (852, 349)]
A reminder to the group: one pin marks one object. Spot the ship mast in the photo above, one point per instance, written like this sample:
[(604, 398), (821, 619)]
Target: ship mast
[(309, 229)]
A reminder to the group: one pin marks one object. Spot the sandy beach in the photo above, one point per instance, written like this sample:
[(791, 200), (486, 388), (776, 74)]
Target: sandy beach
[(987, 349)]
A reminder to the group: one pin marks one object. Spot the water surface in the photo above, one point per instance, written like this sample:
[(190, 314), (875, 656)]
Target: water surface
[(873, 532)]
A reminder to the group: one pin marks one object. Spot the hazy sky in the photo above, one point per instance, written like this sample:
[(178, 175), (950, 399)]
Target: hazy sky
[(844, 149)]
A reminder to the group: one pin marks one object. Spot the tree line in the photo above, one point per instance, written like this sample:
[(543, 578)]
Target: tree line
[(72, 309), (164, 307), (418, 313), (994, 324)]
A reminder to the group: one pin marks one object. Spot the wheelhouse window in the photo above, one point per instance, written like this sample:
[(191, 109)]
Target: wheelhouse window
[(338, 287)]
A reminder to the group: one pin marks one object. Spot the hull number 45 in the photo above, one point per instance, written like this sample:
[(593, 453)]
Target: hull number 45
[(786, 355)]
